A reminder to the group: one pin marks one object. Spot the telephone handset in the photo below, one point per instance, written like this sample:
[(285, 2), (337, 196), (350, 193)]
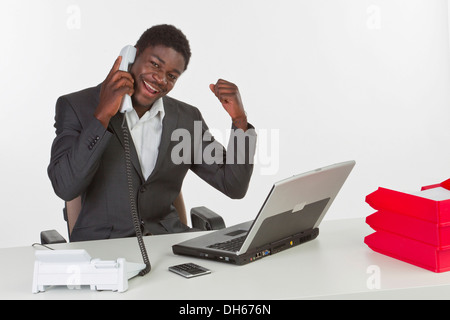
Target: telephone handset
[(128, 54)]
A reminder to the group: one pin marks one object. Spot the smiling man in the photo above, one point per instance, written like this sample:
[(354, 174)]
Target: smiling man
[(88, 157)]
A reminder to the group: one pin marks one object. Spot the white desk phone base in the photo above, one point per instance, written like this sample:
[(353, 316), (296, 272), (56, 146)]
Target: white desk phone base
[(75, 268)]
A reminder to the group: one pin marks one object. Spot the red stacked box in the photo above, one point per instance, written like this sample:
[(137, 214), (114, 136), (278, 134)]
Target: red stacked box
[(414, 228)]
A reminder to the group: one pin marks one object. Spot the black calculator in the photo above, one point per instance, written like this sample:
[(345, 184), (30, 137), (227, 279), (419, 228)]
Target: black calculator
[(189, 270)]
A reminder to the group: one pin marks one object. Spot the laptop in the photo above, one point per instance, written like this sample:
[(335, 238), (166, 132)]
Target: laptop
[(289, 216)]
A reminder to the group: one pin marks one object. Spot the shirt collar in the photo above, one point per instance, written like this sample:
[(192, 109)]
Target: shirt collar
[(157, 108)]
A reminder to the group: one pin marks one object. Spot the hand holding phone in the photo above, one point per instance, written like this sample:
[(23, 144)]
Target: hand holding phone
[(117, 85)]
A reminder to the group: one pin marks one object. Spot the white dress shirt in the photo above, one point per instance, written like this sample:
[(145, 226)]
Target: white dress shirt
[(146, 133)]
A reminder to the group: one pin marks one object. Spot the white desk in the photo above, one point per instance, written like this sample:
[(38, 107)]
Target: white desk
[(336, 265)]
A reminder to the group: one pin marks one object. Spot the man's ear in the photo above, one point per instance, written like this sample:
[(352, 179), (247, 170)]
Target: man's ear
[(137, 51)]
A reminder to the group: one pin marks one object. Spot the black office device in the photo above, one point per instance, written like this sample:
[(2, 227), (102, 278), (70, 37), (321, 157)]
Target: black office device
[(189, 270)]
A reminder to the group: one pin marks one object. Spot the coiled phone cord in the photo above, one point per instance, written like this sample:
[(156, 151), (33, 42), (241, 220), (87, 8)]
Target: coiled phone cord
[(134, 213)]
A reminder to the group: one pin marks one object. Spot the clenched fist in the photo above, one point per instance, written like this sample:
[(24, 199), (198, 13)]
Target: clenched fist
[(230, 98)]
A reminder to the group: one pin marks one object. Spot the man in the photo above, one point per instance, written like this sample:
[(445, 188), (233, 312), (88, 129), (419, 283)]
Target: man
[(88, 158)]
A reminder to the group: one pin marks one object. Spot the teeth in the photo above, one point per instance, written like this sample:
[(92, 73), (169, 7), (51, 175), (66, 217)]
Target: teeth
[(150, 86)]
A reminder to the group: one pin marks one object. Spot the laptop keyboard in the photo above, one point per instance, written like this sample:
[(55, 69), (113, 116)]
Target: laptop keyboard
[(232, 245)]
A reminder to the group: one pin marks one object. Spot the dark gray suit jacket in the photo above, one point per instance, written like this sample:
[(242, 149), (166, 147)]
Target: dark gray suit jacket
[(89, 160)]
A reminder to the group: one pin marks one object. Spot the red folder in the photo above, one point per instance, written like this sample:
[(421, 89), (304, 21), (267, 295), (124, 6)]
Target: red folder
[(412, 227), (411, 205), (408, 250), (434, 234)]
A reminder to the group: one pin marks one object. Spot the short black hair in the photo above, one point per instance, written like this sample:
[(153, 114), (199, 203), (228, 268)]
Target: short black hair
[(166, 35)]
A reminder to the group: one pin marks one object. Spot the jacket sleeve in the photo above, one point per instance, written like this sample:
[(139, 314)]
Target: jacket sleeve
[(228, 170), (76, 150)]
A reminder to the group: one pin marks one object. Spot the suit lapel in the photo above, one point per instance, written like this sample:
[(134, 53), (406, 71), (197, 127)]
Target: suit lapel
[(115, 124), (169, 125)]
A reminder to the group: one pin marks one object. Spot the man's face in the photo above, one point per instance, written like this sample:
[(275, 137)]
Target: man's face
[(155, 73)]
